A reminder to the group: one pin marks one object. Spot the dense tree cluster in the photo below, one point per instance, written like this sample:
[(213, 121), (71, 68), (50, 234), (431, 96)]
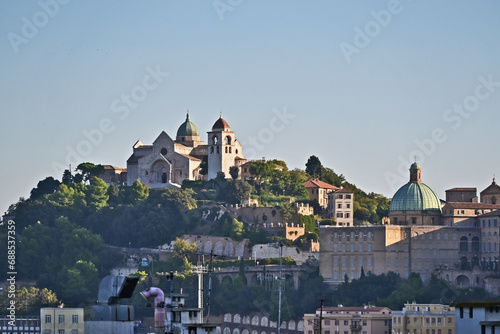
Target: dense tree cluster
[(370, 207), (64, 226), (393, 291)]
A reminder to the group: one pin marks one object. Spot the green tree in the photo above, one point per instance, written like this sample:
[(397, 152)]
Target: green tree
[(97, 194), (67, 177), (78, 283), (136, 193), (46, 186), (314, 166), (236, 230), (242, 190), (90, 170), (30, 300), (234, 171)]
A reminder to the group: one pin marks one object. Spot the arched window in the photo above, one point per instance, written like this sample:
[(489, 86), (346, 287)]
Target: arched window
[(214, 140), (464, 244), (228, 140), (211, 149), (475, 244), (464, 264)]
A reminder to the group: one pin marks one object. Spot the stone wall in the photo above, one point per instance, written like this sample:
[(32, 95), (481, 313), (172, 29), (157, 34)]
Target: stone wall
[(221, 246), (265, 251)]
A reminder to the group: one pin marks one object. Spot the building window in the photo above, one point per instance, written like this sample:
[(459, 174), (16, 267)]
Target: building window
[(347, 215), (464, 247), (340, 196), (346, 322), (413, 220), (369, 247), (74, 318), (61, 331), (61, 318), (48, 319), (339, 206), (360, 247)]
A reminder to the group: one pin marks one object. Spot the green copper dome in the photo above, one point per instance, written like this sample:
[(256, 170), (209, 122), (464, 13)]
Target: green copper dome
[(415, 166), (415, 196), (188, 129)]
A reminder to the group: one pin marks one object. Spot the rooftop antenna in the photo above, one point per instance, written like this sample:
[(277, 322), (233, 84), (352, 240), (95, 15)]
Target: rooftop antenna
[(200, 269), (210, 269), (280, 282)]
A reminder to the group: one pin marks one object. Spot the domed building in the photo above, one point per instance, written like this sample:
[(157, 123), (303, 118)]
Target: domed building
[(168, 162), (415, 203)]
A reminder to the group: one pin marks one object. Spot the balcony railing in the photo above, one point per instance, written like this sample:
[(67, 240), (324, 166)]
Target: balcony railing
[(355, 328)]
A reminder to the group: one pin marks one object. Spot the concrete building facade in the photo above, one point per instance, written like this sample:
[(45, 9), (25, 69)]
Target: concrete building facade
[(55, 320), (340, 320), (424, 319), (340, 207), (477, 317)]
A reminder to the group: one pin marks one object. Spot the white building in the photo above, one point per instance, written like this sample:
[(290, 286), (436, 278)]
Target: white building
[(478, 317)]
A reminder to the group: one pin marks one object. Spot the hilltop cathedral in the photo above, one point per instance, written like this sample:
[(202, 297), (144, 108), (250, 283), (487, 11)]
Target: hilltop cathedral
[(168, 162)]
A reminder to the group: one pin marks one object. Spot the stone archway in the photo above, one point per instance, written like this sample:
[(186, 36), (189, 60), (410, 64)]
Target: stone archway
[(462, 281), (160, 172)]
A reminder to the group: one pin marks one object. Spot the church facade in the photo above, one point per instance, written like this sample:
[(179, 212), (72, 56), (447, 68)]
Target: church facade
[(168, 162)]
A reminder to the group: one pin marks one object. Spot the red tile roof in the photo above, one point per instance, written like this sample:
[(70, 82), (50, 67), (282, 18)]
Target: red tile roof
[(462, 189), (345, 191), (316, 183), (352, 309), (495, 213), (468, 205)]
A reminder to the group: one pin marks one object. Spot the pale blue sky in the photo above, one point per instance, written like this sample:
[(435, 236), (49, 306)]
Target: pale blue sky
[(361, 114)]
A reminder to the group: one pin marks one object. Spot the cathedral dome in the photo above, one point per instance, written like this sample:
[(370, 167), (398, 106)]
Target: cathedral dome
[(415, 195), (188, 129), (221, 125)]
